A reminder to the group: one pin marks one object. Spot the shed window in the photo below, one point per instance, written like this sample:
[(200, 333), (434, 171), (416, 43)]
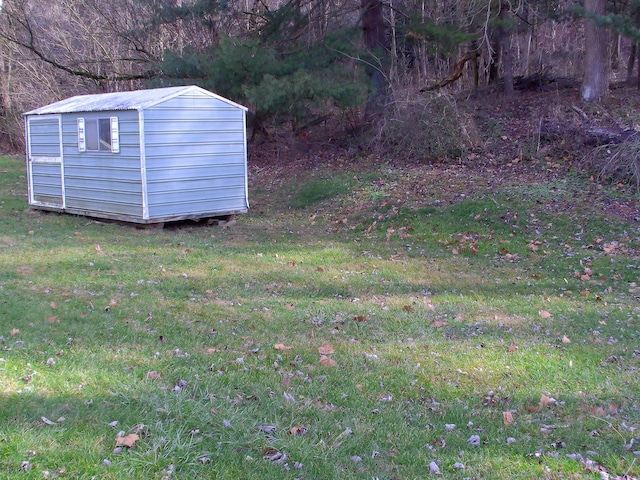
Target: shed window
[(98, 135)]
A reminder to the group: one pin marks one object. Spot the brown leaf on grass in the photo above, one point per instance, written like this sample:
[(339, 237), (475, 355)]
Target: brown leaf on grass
[(53, 319), (98, 249), (360, 318), (437, 324), (326, 349), (46, 421), (327, 362), (53, 305), (565, 339), (320, 269), (282, 346), (407, 308), (545, 314), (512, 348), (127, 441), (14, 332), (544, 400), (507, 417), (268, 451), (297, 430), (290, 306), (598, 411), (153, 375)]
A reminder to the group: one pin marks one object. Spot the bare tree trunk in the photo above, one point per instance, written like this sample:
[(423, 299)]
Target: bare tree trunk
[(494, 60), (373, 31), (638, 63), (595, 83), (507, 57), (615, 51), (631, 63)]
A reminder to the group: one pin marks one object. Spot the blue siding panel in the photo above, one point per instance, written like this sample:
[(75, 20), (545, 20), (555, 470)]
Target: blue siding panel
[(104, 183), (195, 157), (45, 137), (47, 183)]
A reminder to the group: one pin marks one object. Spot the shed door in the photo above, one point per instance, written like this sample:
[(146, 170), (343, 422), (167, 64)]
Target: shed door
[(44, 160)]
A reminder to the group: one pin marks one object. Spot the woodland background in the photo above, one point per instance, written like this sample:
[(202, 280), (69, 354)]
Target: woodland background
[(300, 64)]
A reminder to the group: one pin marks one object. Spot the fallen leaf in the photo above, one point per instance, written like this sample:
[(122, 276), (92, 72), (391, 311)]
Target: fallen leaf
[(544, 400), (127, 441), (267, 428), (360, 318), (545, 314), (474, 440), (282, 346), (437, 324), (289, 306), (153, 375), (565, 339), (512, 348), (407, 308), (297, 430), (598, 411), (326, 349), (327, 362), (98, 249), (53, 320), (46, 421), (53, 305), (14, 332), (507, 417)]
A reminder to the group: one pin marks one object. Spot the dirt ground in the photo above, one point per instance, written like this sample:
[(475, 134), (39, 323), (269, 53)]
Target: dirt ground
[(515, 148)]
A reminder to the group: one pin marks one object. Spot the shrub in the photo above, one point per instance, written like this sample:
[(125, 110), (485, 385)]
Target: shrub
[(425, 127), (619, 162)]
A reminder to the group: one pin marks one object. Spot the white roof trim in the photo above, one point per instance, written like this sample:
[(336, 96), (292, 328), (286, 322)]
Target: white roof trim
[(133, 100)]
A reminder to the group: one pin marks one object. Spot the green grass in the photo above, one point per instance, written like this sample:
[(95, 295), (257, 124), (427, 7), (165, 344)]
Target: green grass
[(441, 309)]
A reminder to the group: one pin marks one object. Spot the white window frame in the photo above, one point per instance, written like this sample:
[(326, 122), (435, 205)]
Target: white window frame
[(98, 124)]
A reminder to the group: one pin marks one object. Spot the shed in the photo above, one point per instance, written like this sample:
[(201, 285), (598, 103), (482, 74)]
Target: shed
[(146, 156)]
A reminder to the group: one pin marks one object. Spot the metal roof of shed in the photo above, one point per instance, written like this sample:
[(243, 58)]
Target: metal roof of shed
[(134, 100)]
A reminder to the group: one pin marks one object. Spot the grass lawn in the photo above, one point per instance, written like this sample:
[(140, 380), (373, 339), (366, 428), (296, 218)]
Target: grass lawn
[(470, 322)]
